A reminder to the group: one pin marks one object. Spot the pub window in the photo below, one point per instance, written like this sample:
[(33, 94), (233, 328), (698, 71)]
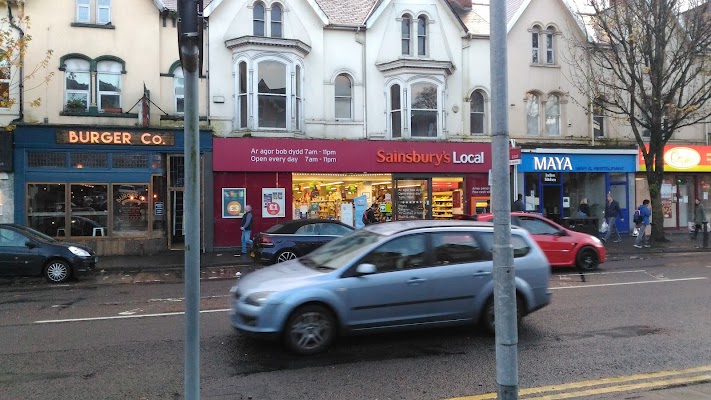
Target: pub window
[(90, 160), (130, 209), (46, 208), (77, 84), (89, 210), (109, 81), (39, 159), (126, 160)]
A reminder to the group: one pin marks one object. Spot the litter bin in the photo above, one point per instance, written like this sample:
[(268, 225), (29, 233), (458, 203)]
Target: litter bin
[(587, 225)]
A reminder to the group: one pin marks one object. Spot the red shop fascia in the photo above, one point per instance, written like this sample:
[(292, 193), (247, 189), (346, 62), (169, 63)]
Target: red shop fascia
[(257, 163)]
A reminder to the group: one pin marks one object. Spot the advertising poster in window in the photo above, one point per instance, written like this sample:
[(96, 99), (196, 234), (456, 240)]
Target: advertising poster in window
[(667, 192), (233, 202), (273, 202)]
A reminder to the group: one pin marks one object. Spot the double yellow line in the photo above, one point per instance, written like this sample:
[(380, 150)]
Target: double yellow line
[(652, 380)]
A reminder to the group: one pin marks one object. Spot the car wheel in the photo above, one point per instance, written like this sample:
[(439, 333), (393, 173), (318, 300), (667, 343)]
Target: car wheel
[(57, 271), (285, 256), (587, 259), (488, 317), (310, 330)]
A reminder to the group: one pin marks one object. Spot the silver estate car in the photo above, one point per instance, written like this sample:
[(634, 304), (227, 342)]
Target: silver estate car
[(395, 275)]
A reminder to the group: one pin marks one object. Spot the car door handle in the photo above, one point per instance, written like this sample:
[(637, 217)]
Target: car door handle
[(416, 281), (482, 273)]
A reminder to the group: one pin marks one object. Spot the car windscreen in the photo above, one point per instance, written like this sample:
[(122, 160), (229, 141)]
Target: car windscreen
[(336, 253), (37, 234)]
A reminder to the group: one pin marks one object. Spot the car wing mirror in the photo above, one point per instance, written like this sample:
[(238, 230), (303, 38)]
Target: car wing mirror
[(366, 269), (30, 244)]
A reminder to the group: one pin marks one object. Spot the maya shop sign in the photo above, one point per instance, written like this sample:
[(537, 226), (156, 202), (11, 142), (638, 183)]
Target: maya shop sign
[(683, 159), (304, 155), (115, 137)]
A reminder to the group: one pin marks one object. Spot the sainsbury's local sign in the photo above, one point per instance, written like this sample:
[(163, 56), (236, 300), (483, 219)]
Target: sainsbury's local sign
[(552, 162)]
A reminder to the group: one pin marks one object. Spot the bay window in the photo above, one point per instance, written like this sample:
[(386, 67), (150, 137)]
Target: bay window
[(414, 109)]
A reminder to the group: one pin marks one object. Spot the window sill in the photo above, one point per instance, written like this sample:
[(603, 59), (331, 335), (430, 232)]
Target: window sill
[(97, 114), (87, 25), (545, 65), (177, 117)]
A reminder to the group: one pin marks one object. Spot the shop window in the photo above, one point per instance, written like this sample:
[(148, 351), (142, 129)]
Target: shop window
[(4, 84), (423, 112), (46, 208), (271, 94), (421, 35), (408, 252), (77, 84), (126, 160), (90, 160), (130, 209), (553, 115), (406, 26), (89, 210), (99, 14), (178, 91), (456, 248), (395, 111), (37, 159), (477, 115), (258, 17), (599, 117), (344, 97), (109, 83), (276, 20), (533, 114)]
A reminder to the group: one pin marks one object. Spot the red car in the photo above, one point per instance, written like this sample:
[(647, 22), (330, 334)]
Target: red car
[(563, 247)]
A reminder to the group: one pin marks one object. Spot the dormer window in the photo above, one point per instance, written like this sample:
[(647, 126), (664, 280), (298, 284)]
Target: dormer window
[(421, 35), (406, 25), (258, 19), (276, 16)]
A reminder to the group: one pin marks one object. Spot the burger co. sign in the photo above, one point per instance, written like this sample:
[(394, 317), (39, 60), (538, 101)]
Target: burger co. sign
[(88, 136)]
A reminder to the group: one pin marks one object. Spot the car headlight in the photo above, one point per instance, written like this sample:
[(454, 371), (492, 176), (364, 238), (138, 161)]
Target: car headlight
[(258, 298), (79, 252), (596, 240)]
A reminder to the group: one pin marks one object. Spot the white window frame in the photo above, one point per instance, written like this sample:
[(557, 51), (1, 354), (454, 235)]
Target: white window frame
[(264, 19), (406, 21), (482, 112), (280, 22), (392, 111), (349, 97), (529, 97), (83, 4), (298, 110), (406, 108), (554, 115), (99, 7), (75, 91), (242, 94), (550, 45), (422, 36), (100, 93), (599, 116), (177, 77), (5, 81)]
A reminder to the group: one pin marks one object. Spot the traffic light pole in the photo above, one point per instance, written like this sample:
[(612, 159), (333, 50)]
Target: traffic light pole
[(504, 279)]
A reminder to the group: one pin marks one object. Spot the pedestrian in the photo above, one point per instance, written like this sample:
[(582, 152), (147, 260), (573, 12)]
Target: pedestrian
[(699, 218), (644, 214), (518, 204), (369, 215), (612, 211), (246, 228), (583, 208)]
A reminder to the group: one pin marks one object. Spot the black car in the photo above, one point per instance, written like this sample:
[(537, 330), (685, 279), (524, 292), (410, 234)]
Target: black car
[(295, 238), (27, 252)]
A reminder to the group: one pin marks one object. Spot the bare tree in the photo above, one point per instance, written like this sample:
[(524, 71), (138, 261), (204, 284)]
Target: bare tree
[(14, 74), (647, 63)]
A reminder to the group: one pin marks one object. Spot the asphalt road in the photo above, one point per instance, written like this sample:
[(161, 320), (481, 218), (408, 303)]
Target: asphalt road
[(124, 341)]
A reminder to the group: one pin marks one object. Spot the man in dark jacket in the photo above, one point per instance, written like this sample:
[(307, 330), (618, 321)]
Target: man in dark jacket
[(246, 228), (518, 204), (612, 211)]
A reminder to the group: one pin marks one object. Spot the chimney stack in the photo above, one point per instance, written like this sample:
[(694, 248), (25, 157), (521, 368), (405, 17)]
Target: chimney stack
[(465, 4)]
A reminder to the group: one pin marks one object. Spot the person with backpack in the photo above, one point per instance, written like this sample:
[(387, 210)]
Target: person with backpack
[(641, 219), (369, 215)]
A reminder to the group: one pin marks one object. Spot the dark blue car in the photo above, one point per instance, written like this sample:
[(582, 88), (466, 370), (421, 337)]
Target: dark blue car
[(293, 239)]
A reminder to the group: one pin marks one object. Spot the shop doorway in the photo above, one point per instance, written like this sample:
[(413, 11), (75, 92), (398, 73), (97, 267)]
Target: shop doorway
[(176, 200), (552, 202), (684, 201), (618, 190)]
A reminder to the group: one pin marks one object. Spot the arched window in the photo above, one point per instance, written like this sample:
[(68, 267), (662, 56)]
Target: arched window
[(423, 109), (242, 95), (179, 90), (77, 78), (476, 117), (271, 94), (395, 112), (405, 37), (344, 97), (258, 19), (550, 56), (108, 78), (535, 58), (421, 35), (533, 114), (276, 21), (553, 115)]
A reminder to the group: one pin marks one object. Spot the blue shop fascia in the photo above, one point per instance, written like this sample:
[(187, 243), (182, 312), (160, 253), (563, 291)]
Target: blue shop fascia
[(118, 189), (554, 181)]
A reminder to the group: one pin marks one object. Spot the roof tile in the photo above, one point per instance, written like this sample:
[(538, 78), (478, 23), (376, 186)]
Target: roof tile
[(347, 12)]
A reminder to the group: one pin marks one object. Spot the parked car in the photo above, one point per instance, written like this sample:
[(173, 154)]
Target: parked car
[(390, 276), (27, 252), (295, 238), (562, 246)]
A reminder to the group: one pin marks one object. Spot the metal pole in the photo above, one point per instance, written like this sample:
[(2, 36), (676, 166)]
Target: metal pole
[(189, 55), (504, 283)]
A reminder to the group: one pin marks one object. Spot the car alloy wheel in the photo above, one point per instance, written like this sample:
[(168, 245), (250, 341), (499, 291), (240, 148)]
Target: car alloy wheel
[(57, 271), (310, 330), (588, 259), (488, 319), (286, 256)]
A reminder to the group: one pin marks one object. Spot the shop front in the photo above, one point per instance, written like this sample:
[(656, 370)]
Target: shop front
[(284, 179), (687, 175), (119, 190), (555, 181)]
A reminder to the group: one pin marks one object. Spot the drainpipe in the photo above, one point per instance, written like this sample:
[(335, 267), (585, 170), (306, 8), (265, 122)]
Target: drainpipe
[(21, 86), (365, 84)]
